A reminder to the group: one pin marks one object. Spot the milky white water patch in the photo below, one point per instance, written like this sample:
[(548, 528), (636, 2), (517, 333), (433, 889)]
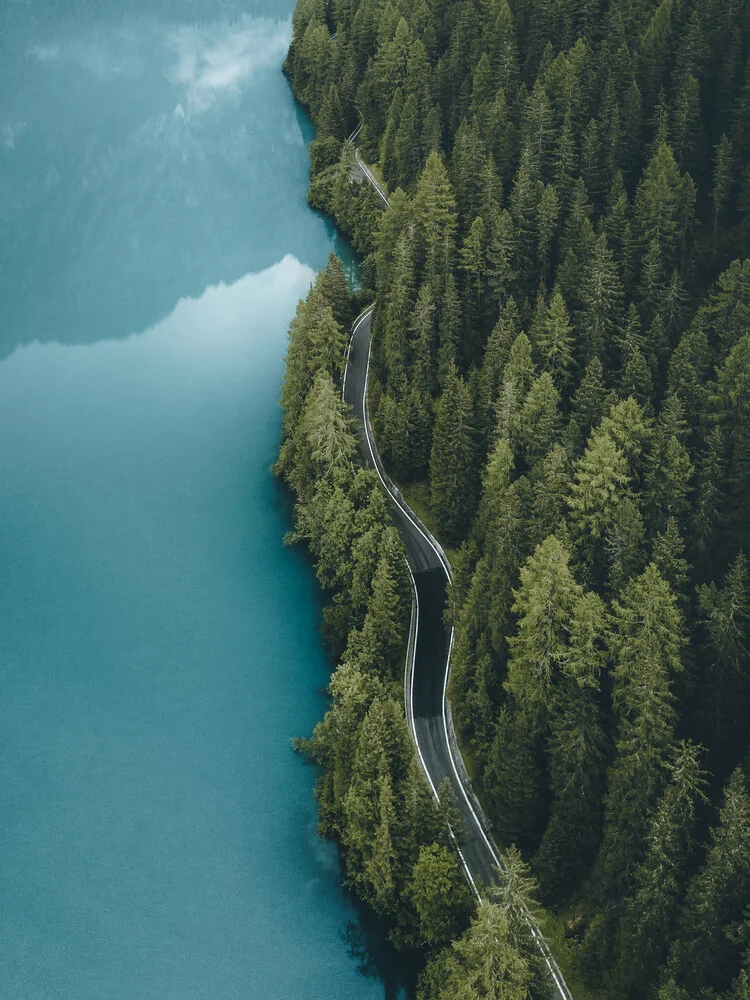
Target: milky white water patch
[(207, 62), (159, 649), (105, 56), (45, 53), (159, 644), (158, 156), (219, 60), (8, 135), (210, 325)]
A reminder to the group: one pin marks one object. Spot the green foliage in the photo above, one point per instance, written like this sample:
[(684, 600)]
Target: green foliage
[(577, 749), (646, 645), (451, 460), (562, 285), (723, 693), (600, 486), (554, 342), (705, 951), (482, 963), (543, 606), (651, 911), (439, 894)]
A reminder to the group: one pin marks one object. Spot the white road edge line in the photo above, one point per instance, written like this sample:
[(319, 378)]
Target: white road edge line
[(406, 511), (371, 178), (357, 322), (410, 658), (437, 549)]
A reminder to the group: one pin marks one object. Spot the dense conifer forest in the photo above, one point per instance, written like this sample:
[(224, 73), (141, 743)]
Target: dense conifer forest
[(561, 363)]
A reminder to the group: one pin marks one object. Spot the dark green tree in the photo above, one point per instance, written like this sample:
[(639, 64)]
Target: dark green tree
[(646, 648), (451, 461), (439, 894), (651, 913), (705, 950)]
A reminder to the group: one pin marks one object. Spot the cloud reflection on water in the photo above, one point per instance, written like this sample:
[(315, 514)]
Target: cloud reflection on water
[(217, 61)]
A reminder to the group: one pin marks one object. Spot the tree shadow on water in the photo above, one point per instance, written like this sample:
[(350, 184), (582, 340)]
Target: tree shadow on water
[(376, 958)]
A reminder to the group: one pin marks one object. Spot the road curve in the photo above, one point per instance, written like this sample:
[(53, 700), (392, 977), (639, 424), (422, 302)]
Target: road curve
[(429, 650)]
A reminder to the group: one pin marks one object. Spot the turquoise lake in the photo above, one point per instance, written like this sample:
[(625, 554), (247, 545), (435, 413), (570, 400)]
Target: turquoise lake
[(159, 645)]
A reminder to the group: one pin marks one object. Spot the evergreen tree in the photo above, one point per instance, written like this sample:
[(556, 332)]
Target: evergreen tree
[(722, 185), (543, 606), (685, 127), (704, 952), (379, 645), (733, 398), (590, 398), (449, 326), (668, 555), (623, 544), (725, 616), (550, 483), (501, 244), (524, 198), (600, 485), (334, 286), (482, 963), (513, 776), (576, 755), (406, 145), (516, 892), (380, 865), (451, 461), (708, 512), (473, 257), (323, 440), (601, 294), (668, 480), (555, 341), (646, 648), (435, 217), (651, 912), (663, 205), (540, 418), (439, 894)]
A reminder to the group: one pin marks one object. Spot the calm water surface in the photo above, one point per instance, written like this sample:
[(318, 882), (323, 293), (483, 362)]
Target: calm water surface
[(158, 644)]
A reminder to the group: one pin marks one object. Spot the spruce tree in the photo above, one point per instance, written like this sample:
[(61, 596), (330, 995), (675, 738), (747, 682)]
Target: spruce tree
[(555, 341), (576, 749), (543, 606), (590, 398), (439, 894), (725, 690), (646, 648), (733, 399), (600, 485), (514, 777), (482, 963), (705, 951), (601, 294), (435, 217), (651, 912), (539, 418), (380, 865), (451, 460)]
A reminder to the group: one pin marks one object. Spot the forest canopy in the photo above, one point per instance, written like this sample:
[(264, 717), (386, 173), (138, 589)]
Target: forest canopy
[(561, 359)]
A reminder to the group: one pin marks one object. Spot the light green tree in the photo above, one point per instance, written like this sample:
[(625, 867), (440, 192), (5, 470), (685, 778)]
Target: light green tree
[(439, 894)]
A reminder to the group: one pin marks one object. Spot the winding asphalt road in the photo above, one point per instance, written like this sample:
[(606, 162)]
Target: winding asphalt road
[(429, 650)]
